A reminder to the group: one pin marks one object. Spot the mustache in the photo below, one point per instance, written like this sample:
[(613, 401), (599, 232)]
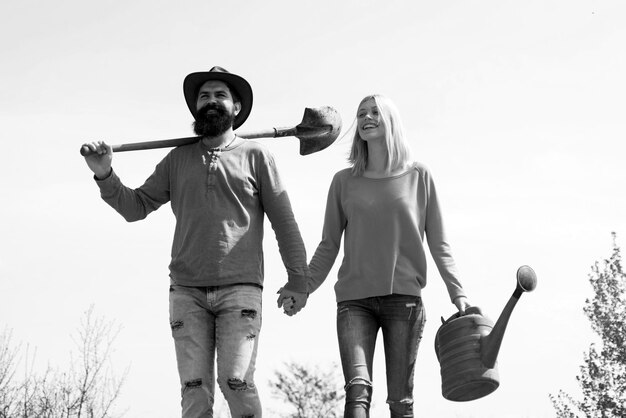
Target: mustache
[(211, 106)]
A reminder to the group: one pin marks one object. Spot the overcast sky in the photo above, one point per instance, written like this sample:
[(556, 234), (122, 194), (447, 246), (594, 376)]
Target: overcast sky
[(517, 108)]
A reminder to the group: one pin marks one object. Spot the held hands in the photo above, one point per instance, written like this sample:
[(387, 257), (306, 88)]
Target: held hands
[(100, 161), (461, 304), (291, 302)]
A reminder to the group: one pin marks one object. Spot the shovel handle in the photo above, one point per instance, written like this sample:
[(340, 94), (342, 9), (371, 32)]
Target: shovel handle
[(177, 142), (269, 133), (137, 146)]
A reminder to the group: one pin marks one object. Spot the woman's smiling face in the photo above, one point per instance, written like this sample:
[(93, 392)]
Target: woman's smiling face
[(370, 125)]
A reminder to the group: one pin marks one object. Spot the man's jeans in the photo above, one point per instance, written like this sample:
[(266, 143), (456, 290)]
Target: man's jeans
[(401, 318), (223, 320)]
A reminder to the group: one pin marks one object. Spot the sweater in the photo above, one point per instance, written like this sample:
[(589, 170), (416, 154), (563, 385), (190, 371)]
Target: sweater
[(219, 199), (384, 221)]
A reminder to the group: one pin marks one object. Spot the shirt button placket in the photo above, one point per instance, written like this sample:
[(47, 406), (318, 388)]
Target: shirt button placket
[(214, 156)]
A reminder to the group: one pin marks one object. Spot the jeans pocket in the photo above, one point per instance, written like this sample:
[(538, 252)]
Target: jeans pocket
[(402, 307)]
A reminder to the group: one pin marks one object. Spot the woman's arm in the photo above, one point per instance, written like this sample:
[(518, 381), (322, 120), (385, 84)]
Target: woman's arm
[(440, 247), (334, 224)]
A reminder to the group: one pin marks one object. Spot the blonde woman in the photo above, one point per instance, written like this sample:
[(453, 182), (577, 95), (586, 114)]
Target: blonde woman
[(384, 204)]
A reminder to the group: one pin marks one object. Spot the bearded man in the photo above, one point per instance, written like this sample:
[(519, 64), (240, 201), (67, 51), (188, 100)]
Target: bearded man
[(220, 188)]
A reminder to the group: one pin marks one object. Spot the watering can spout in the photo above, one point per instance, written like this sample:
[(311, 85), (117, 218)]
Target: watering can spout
[(526, 282)]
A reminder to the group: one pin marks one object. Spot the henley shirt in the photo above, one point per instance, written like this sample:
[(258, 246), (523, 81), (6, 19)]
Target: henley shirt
[(219, 199), (384, 221)]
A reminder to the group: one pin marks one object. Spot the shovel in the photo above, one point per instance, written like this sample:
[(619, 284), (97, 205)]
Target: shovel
[(319, 128)]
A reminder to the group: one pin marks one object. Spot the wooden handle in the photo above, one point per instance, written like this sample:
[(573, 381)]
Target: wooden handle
[(137, 146)]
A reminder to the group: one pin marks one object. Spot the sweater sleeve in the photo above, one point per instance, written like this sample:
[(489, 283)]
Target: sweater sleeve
[(334, 224), (277, 206), (136, 204), (437, 242)]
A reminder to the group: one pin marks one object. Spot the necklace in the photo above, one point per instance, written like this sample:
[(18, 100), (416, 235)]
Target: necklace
[(229, 144), (220, 149), (225, 148)]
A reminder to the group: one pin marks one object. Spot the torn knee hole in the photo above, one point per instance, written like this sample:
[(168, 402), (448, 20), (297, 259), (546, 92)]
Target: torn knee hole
[(176, 325), (357, 381), (238, 384), (401, 407), (190, 384), (404, 402), (248, 313)]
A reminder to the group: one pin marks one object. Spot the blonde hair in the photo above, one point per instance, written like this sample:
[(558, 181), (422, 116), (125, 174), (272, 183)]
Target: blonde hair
[(398, 152)]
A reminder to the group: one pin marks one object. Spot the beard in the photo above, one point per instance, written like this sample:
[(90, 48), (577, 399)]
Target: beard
[(213, 124)]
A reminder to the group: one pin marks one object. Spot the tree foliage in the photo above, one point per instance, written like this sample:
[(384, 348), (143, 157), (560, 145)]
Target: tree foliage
[(602, 377), (309, 392), (88, 389)]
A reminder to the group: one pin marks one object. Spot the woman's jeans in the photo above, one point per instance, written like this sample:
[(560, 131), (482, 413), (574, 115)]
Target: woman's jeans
[(222, 320), (401, 318)]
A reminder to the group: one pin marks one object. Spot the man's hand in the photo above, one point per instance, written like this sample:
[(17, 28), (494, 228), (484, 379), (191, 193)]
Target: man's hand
[(100, 161), (291, 302), (461, 304)]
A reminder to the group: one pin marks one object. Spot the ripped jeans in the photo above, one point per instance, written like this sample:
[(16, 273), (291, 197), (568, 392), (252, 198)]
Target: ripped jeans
[(223, 321), (402, 319)]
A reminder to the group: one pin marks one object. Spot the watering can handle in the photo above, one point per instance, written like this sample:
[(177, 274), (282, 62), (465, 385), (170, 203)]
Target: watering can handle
[(472, 310)]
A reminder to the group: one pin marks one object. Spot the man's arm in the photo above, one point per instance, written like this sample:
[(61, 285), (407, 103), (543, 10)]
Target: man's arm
[(278, 209), (132, 204)]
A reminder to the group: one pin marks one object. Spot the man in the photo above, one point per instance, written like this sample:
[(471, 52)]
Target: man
[(219, 188)]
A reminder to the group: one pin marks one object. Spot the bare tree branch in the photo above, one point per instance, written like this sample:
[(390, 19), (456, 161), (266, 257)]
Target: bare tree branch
[(89, 388), (312, 392)]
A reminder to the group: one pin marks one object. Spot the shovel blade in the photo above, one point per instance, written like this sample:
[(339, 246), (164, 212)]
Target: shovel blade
[(320, 127)]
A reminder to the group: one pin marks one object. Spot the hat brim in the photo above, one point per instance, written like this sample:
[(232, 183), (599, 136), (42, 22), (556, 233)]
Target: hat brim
[(194, 81)]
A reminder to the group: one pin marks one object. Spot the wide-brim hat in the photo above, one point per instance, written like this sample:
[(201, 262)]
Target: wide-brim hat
[(194, 81)]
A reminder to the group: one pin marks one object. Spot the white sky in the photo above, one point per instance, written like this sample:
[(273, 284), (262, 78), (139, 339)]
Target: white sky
[(517, 108)]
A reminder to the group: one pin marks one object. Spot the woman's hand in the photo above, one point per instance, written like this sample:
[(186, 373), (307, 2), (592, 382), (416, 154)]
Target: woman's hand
[(291, 302), (461, 304)]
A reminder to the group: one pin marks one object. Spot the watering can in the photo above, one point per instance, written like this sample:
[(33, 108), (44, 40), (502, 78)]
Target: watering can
[(467, 346)]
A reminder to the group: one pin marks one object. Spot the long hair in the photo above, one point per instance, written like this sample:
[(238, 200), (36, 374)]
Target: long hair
[(398, 152)]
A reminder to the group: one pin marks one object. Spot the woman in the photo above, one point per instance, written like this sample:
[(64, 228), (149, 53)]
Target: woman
[(384, 204)]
